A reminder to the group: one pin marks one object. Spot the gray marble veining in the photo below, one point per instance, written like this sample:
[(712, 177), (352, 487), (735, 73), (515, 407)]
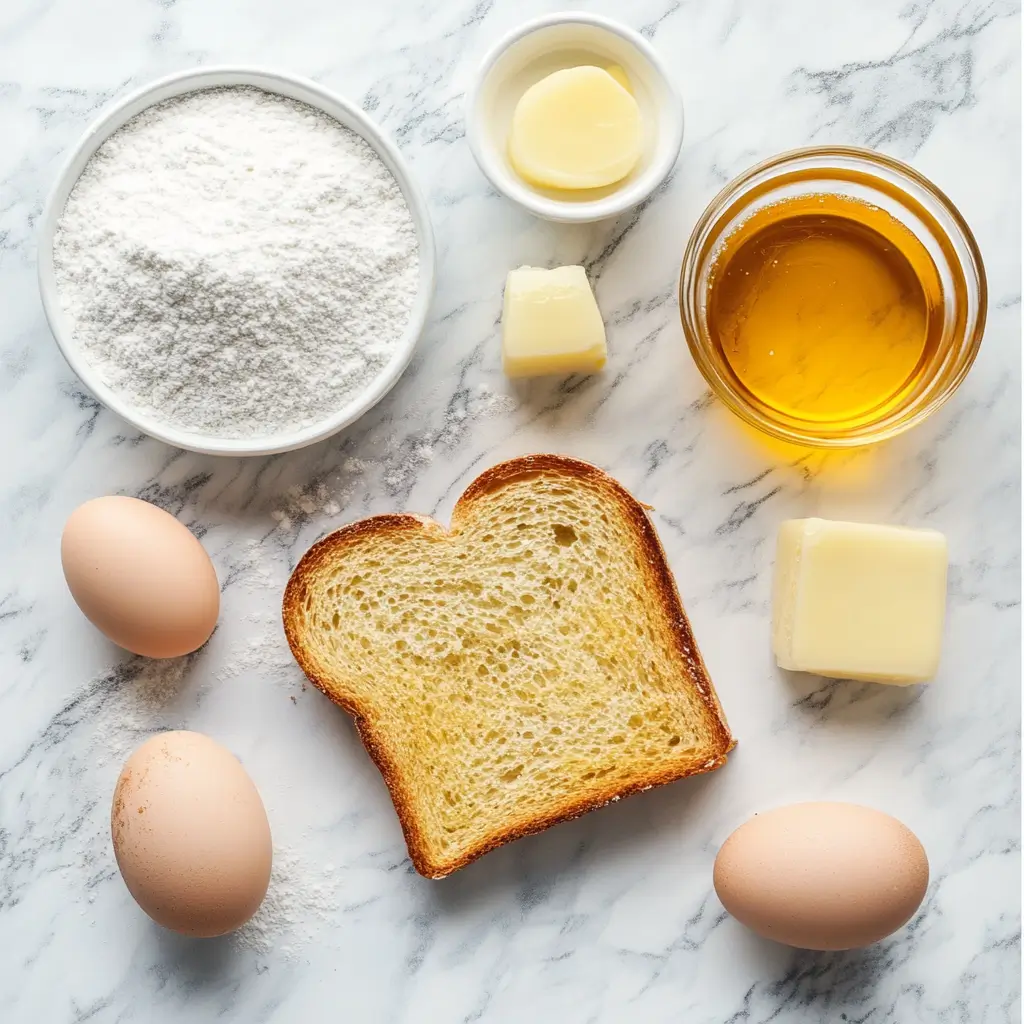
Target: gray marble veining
[(610, 918)]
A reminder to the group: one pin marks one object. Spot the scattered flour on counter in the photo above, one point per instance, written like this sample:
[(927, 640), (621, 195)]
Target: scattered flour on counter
[(252, 569), (237, 263), (300, 902), (298, 504), (262, 648), (490, 403), (328, 496), (264, 652), (323, 497), (134, 706)]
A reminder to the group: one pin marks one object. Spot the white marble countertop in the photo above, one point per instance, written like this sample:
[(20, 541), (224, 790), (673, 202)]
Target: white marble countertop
[(610, 918)]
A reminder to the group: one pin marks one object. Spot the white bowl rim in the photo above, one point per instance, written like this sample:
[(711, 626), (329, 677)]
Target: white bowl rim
[(556, 209), (112, 117)]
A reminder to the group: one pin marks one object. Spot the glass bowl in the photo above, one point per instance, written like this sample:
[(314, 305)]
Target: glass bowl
[(910, 199)]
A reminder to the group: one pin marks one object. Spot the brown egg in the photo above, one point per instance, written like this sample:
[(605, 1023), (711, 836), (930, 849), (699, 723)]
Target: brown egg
[(822, 875), (191, 836), (140, 577)]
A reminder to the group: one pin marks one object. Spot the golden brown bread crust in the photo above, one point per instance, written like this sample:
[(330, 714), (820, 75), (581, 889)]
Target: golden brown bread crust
[(330, 548)]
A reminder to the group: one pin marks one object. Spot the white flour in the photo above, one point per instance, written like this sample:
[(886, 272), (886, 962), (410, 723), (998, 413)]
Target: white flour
[(300, 903), (237, 263)]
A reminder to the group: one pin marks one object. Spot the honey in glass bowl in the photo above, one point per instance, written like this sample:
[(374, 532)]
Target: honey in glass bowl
[(827, 303)]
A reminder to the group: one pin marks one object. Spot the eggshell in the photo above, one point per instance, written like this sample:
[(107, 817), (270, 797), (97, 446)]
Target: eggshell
[(140, 577), (191, 836), (822, 875)]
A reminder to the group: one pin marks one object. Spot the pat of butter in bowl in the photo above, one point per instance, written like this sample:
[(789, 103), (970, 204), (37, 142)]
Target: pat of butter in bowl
[(578, 128), (857, 601), (550, 323)]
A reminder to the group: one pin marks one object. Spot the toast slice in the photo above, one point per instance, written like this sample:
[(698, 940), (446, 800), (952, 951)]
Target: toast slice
[(527, 665)]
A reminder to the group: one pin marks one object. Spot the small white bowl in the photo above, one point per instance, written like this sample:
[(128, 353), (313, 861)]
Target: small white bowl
[(538, 49), (122, 111)]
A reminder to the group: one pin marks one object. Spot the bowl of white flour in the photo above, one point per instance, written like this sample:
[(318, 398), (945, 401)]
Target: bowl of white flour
[(236, 261)]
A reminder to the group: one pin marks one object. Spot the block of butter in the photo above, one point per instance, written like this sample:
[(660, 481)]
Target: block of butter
[(859, 602), (551, 323)]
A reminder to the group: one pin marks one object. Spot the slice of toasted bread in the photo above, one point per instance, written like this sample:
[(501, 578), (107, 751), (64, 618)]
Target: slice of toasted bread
[(529, 664)]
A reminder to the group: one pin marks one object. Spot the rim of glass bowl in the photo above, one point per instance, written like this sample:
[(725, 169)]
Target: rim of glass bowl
[(900, 177)]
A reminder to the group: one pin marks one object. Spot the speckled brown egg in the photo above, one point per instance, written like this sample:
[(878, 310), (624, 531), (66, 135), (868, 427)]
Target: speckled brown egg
[(140, 577), (822, 875), (191, 835)]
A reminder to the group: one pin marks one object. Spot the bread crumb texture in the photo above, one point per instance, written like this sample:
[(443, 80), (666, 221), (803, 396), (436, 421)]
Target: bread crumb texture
[(530, 664)]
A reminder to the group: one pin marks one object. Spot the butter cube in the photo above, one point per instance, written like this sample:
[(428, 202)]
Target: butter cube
[(578, 128), (551, 323), (859, 601)]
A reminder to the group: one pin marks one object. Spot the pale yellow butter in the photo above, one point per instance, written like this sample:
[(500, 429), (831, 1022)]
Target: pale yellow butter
[(620, 76), (551, 323), (859, 602), (575, 129)]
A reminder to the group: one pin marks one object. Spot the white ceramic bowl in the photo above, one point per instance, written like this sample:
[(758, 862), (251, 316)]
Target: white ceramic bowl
[(549, 44), (122, 111)]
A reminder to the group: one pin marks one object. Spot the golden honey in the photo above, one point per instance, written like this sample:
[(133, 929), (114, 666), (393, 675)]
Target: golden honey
[(825, 309)]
